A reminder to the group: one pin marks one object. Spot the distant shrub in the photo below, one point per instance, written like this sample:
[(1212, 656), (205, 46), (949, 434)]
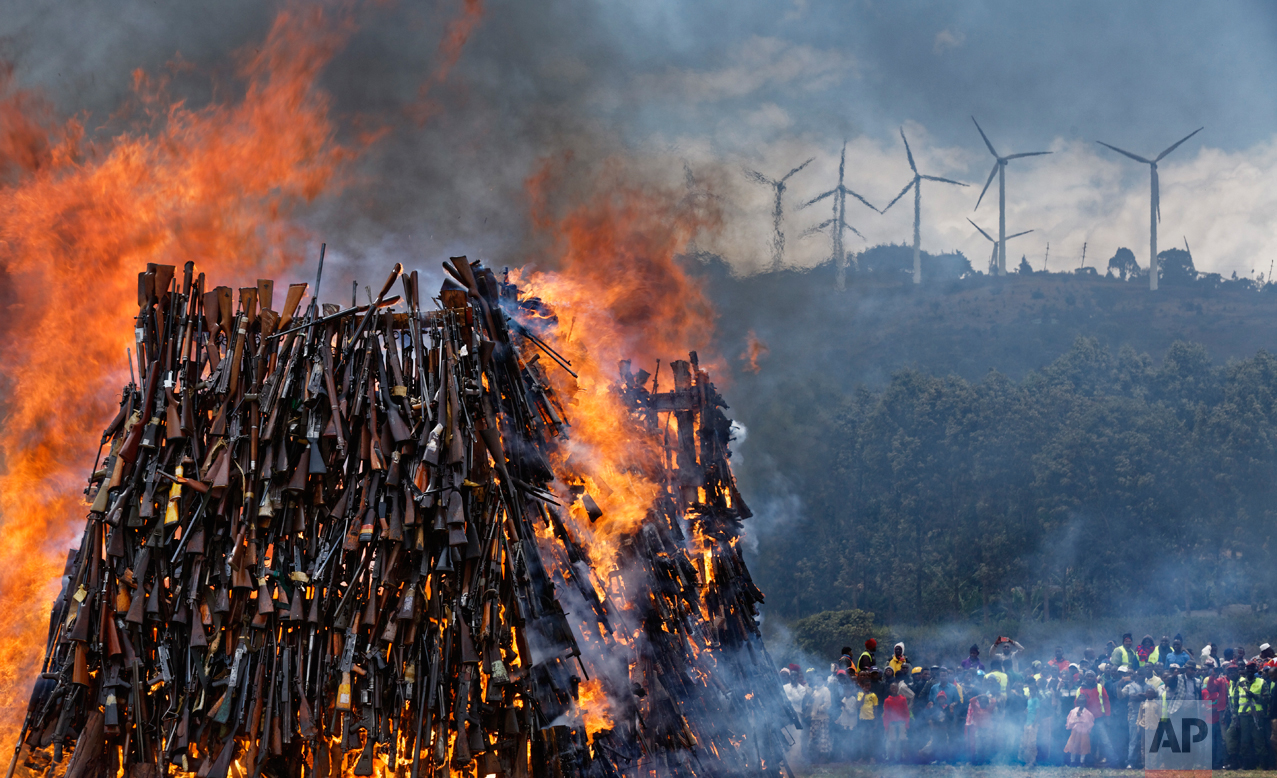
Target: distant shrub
[(822, 634)]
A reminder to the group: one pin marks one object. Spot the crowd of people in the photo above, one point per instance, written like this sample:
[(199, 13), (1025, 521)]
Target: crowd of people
[(1094, 710)]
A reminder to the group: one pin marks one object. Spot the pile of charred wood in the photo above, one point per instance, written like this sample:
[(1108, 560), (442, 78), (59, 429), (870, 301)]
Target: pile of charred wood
[(330, 541)]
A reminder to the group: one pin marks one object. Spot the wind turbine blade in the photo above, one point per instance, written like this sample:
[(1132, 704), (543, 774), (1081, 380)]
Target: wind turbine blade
[(1018, 234), (992, 173), (986, 137), (861, 199), (1181, 140), (807, 233), (817, 199), (943, 180), (982, 232), (1029, 154), (795, 170), (754, 175), (908, 186), (912, 166), (1135, 157)]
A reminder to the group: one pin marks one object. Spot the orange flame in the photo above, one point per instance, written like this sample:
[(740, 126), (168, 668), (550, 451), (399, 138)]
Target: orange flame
[(620, 276), (214, 185), (592, 702), (454, 40), (755, 349)]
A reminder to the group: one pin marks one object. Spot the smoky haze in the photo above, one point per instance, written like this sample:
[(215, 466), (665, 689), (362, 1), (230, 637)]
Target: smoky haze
[(727, 86), (685, 96)]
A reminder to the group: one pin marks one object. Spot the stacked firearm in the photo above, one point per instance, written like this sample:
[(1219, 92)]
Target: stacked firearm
[(327, 541)]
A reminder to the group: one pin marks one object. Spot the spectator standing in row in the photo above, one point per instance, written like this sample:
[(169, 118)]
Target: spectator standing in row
[(1092, 696), (895, 719), (1080, 723), (1125, 654), (972, 662)]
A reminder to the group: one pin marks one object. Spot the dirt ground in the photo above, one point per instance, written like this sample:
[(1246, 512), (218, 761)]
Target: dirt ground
[(966, 771)]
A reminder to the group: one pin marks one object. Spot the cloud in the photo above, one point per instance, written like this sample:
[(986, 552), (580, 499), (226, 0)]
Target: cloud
[(947, 39), (757, 64)]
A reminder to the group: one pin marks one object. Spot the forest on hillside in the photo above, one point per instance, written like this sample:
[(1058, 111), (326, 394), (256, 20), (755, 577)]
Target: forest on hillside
[(1102, 483)]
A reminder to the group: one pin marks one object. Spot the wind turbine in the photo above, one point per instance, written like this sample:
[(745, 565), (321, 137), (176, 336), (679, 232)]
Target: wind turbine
[(839, 219), (778, 237), (999, 169), (999, 246), (1155, 202), (916, 184)]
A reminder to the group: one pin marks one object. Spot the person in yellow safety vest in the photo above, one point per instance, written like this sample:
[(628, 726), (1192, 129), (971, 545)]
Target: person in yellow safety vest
[(997, 673), (1162, 652), (1125, 653), (866, 659), (898, 658), (1247, 701)]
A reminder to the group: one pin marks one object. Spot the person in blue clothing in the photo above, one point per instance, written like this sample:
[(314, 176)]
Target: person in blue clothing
[(1178, 656)]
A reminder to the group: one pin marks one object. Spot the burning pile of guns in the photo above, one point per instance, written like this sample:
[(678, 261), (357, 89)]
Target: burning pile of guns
[(313, 549)]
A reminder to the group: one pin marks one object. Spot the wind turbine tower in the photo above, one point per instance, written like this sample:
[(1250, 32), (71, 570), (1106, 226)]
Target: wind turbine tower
[(779, 185), (999, 169), (999, 246), (1155, 202), (916, 184), (838, 222)]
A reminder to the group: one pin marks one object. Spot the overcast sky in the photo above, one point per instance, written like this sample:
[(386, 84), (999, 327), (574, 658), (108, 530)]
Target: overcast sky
[(725, 86)]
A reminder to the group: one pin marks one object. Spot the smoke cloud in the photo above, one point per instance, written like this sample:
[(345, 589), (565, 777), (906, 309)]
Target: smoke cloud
[(472, 98)]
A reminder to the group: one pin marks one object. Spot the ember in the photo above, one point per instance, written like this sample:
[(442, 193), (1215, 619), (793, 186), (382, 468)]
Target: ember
[(356, 540)]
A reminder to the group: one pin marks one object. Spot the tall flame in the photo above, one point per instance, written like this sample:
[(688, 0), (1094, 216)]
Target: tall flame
[(619, 281), (629, 297), (78, 219)]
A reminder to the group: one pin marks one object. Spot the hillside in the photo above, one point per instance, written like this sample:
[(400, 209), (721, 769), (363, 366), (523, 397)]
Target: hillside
[(830, 355)]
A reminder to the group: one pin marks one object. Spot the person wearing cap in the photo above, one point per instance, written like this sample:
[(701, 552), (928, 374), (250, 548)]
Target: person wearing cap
[(972, 662), (1248, 700), (866, 659), (1125, 653), (1267, 657), (1116, 723)]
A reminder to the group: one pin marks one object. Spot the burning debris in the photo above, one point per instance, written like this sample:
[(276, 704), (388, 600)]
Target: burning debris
[(354, 541)]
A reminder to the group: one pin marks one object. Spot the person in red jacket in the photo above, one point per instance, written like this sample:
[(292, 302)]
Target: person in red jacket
[(1093, 695), (895, 718), (1215, 691)]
